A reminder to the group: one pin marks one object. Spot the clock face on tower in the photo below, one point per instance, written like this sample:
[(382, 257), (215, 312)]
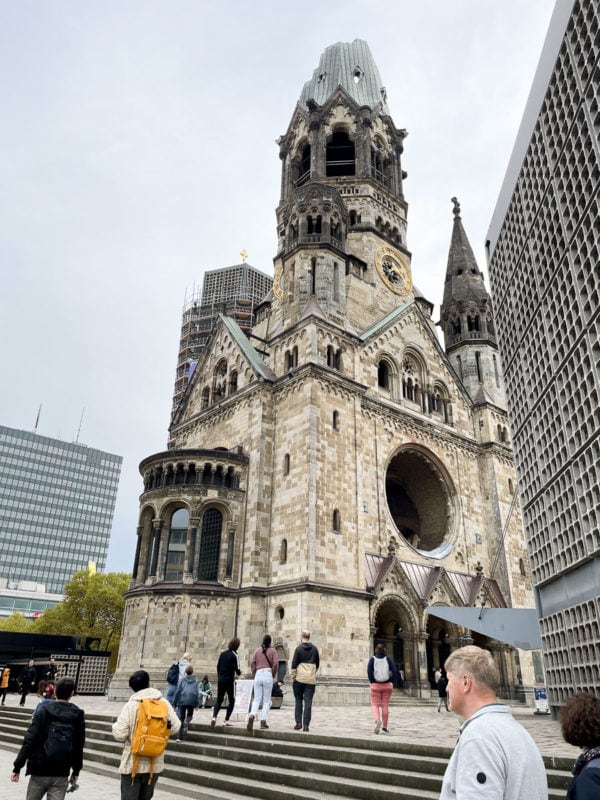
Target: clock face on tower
[(278, 283), (394, 270)]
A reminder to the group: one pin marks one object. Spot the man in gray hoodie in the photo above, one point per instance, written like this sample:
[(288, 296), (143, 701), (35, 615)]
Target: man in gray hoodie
[(495, 758)]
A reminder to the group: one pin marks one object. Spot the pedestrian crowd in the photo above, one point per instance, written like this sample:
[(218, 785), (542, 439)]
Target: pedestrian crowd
[(495, 758)]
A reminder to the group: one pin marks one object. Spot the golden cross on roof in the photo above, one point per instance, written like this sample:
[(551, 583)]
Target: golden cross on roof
[(244, 255)]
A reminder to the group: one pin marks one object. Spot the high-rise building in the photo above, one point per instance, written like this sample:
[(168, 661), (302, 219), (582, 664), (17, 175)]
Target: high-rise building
[(57, 501), (234, 291), (544, 261), (342, 471)]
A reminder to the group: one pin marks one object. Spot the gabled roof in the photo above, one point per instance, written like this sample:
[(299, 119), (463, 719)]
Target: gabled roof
[(351, 66), (312, 309), (384, 322), (423, 579), (243, 343)]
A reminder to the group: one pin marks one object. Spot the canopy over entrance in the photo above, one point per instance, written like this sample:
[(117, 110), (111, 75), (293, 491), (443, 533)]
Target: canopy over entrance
[(518, 627)]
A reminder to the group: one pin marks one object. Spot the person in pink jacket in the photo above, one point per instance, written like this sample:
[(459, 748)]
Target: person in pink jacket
[(264, 665)]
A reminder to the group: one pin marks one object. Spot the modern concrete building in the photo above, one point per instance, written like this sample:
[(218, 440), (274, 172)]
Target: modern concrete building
[(544, 261), (342, 471), (57, 501), (234, 291)]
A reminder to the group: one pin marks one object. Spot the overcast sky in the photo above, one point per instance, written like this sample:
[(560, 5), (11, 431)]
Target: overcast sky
[(137, 149)]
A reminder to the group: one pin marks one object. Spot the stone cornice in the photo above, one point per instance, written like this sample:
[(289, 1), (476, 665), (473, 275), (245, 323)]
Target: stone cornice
[(219, 589)]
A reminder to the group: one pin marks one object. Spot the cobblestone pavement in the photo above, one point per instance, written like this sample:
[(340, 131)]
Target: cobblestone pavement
[(415, 723)]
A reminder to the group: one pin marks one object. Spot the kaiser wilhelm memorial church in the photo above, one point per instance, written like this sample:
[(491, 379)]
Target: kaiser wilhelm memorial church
[(338, 470)]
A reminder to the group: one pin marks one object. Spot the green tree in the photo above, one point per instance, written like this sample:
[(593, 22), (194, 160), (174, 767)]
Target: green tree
[(93, 606), (16, 623)]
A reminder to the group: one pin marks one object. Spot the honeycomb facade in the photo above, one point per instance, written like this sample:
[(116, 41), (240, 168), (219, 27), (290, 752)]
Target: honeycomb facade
[(545, 277)]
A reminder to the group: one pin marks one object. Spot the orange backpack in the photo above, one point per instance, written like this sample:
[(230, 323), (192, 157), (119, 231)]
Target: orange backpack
[(151, 732)]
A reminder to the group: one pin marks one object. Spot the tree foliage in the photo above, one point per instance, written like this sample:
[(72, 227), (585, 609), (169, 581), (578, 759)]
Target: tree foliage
[(93, 606), (16, 623)]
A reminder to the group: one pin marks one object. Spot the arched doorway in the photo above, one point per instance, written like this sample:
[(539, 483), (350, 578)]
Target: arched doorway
[(437, 646), (393, 627)]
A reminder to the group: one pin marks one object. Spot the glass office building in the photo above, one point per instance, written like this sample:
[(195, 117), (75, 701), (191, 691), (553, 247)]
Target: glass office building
[(57, 501)]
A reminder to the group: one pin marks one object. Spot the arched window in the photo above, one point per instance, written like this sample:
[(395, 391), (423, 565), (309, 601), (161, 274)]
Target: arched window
[(383, 374), (283, 552), (336, 520), (205, 397), (304, 169), (210, 545), (219, 380), (340, 157), (522, 569), (286, 464), (336, 421), (510, 486), (176, 547), (496, 374), (233, 382), (478, 364), (330, 355)]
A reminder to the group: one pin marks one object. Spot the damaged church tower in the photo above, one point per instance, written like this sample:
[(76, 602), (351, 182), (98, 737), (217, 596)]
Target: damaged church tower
[(335, 471)]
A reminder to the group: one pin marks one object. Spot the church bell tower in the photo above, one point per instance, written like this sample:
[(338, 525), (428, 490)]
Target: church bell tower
[(342, 214)]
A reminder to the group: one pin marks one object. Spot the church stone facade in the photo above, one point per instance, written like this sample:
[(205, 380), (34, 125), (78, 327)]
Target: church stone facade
[(340, 470)]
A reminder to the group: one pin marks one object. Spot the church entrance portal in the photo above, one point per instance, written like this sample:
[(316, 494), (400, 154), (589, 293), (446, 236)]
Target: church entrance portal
[(393, 629)]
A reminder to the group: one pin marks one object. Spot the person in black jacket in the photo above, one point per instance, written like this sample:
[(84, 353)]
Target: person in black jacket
[(580, 723), (28, 681), (228, 667), (53, 746)]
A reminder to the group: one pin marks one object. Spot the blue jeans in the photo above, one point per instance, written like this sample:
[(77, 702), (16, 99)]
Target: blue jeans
[(304, 693), (263, 685), (171, 692)]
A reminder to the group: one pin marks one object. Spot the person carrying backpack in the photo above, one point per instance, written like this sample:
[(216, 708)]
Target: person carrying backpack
[(53, 746), (172, 677), (144, 726), (382, 674)]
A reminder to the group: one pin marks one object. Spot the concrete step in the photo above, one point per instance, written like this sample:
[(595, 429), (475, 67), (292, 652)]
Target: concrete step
[(230, 762)]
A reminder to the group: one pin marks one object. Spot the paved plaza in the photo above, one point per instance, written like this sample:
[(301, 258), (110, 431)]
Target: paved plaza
[(420, 723)]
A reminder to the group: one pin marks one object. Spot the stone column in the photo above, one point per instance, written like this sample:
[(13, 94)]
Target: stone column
[(136, 558), (156, 530), (190, 575)]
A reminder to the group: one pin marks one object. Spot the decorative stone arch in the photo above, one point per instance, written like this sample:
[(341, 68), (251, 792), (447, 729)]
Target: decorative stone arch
[(220, 380), (215, 549), (413, 371), (394, 624), (442, 636), (440, 403), (421, 499), (387, 374)]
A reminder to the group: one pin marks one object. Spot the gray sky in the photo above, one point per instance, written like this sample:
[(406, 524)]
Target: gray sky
[(137, 149)]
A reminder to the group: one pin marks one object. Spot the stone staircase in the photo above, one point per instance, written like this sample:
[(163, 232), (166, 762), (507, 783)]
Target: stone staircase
[(224, 763)]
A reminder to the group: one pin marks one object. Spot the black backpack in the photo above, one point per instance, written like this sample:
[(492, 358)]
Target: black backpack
[(59, 742), (173, 675)]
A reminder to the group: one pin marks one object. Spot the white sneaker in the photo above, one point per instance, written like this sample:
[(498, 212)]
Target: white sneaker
[(229, 724), (378, 726)]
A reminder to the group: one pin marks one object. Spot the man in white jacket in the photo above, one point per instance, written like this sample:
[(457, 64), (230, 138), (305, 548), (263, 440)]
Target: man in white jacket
[(495, 758), (142, 786)]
